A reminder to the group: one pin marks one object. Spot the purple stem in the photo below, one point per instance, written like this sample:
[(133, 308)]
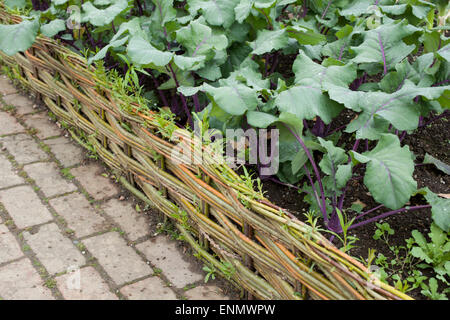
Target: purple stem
[(183, 98), (319, 128), (316, 195), (326, 9), (369, 211), (316, 171), (386, 214), (91, 40), (334, 130), (403, 136), (355, 146), (141, 12), (304, 10), (341, 51), (439, 83), (161, 94), (283, 183), (341, 200), (305, 124), (444, 114), (266, 63), (382, 53), (274, 63), (196, 103)]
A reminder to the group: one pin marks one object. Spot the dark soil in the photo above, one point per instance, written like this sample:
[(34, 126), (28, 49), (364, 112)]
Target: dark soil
[(432, 139)]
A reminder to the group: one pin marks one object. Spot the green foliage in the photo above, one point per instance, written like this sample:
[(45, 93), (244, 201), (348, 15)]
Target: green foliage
[(389, 172), (401, 267), (383, 231), (210, 272), (18, 37), (435, 254), (431, 290)]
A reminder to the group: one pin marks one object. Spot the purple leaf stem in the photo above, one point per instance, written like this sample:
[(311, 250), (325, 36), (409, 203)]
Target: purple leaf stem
[(316, 171), (369, 211), (326, 9), (403, 136), (183, 98), (386, 214), (283, 183), (196, 103), (382, 53), (161, 94)]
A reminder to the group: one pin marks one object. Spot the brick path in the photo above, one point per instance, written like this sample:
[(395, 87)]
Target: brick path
[(66, 229)]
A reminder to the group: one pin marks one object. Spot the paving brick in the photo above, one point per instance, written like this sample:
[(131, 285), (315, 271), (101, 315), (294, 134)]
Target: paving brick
[(48, 178), (9, 248), (125, 215), (22, 104), (148, 289), (79, 214), (56, 252), (65, 151), (120, 261), (164, 254), (6, 86), (98, 186), (45, 128), (7, 176), (9, 125), (84, 284), (19, 281), (23, 148), (206, 293), (24, 206)]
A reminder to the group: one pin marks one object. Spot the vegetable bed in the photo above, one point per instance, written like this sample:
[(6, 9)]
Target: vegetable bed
[(355, 95)]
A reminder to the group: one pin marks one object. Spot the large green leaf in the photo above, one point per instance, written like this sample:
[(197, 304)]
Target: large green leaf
[(358, 8), (53, 27), (440, 209), (101, 17), (216, 12), (389, 172), (260, 119), (384, 45), (142, 52), (249, 73), (445, 52), (164, 11), (268, 40), (199, 39), (306, 69), (233, 97), (189, 63), (307, 102), (380, 108), (438, 163), (334, 164), (14, 4), (419, 8), (304, 35), (419, 73), (18, 37), (113, 44)]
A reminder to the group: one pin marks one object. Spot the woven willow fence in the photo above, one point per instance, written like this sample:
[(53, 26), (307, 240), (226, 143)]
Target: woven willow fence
[(253, 243)]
